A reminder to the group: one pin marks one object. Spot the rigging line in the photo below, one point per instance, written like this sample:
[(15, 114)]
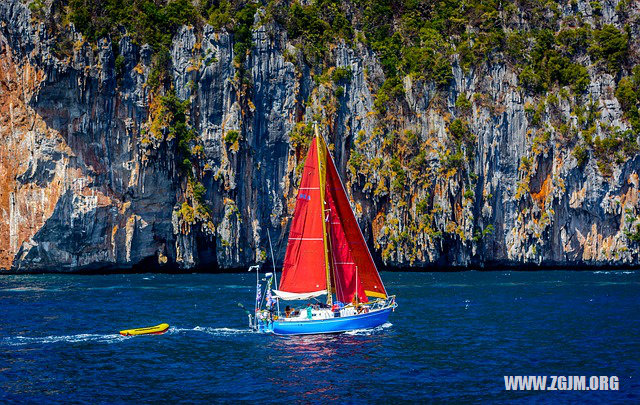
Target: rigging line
[(279, 247)]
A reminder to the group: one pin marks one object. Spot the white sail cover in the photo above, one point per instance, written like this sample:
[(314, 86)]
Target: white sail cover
[(287, 296)]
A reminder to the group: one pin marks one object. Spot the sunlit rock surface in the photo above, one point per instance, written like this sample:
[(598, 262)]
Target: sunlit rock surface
[(83, 188)]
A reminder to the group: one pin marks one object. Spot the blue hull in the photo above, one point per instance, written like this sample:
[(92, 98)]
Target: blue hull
[(333, 325)]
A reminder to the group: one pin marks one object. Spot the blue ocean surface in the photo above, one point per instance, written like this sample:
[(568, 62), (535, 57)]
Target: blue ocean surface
[(453, 338)]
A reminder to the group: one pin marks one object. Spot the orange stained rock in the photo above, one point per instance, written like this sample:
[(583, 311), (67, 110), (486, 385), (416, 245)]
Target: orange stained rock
[(23, 207), (377, 224), (541, 196)]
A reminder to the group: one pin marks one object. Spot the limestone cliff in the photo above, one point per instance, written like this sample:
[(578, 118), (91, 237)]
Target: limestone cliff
[(477, 172)]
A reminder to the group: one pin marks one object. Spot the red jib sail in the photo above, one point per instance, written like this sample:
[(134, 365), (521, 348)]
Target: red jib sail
[(304, 263), (351, 261)]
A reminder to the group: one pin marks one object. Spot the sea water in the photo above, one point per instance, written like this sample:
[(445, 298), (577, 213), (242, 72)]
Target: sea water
[(454, 337)]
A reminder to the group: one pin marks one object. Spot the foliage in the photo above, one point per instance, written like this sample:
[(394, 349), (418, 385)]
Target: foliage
[(186, 213), (314, 24), (614, 147), (301, 135), (551, 62), (581, 154), (341, 74), (463, 103), (391, 89), (159, 69), (119, 65), (219, 14), (609, 45), (461, 133), (146, 21), (233, 139), (399, 176), (628, 94), (242, 31), (151, 22), (633, 228), (37, 8), (232, 136), (417, 47), (170, 120)]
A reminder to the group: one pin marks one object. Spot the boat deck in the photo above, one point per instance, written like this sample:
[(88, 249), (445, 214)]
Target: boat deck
[(318, 314)]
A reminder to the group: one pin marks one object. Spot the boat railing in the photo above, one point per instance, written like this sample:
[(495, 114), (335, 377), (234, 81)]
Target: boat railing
[(375, 305), (382, 303)]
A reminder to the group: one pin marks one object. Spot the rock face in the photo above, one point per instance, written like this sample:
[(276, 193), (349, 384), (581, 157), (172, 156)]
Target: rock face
[(82, 186)]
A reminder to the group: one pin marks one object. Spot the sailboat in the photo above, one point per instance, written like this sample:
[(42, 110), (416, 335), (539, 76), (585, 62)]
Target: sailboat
[(326, 256)]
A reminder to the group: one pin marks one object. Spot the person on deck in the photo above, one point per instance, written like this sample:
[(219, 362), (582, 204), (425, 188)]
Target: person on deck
[(287, 311), (309, 311)]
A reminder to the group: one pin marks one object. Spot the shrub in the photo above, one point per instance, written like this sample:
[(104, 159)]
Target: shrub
[(529, 79), (453, 160), (301, 135), (315, 25), (37, 8), (242, 31), (459, 129), (148, 22), (468, 194), (187, 213), (198, 191), (232, 136), (390, 90), (581, 153), (578, 76), (463, 104), (220, 15), (573, 41), (628, 94), (609, 45), (340, 74), (119, 66), (614, 147), (516, 45)]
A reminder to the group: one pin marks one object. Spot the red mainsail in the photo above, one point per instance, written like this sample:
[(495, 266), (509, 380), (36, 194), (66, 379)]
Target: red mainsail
[(351, 267), (304, 262)]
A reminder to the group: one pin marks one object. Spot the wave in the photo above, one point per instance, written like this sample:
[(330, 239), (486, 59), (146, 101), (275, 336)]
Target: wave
[(368, 332), (82, 337), (28, 289), (211, 331), (614, 272), (112, 338)]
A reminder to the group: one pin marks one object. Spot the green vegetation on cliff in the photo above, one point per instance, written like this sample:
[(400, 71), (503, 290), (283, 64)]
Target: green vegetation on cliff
[(410, 37)]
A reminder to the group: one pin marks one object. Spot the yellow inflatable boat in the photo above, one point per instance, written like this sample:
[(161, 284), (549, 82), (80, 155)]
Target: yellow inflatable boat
[(151, 330)]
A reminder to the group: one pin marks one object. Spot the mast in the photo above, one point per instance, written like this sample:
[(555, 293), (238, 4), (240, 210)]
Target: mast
[(322, 175), (356, 291)]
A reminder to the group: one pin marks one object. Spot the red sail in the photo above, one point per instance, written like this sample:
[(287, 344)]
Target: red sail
[(304, 264), (351, 259), (342, 262)]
